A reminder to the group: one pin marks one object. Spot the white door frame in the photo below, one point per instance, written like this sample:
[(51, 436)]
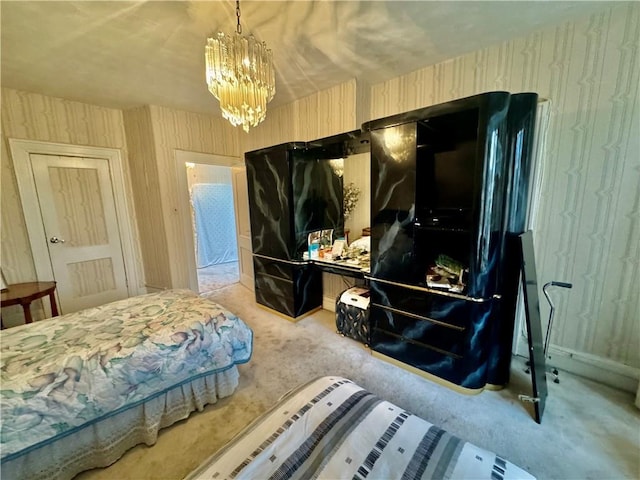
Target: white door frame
[(21, 151), (184, 210)]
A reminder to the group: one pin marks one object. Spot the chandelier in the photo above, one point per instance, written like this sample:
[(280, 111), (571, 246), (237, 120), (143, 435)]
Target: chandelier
[(239, 72)]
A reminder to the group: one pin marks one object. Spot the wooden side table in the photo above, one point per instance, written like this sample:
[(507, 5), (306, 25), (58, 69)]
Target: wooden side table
[(25, 293)]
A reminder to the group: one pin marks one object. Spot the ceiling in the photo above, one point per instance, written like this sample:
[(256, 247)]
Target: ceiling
[(127, 54)]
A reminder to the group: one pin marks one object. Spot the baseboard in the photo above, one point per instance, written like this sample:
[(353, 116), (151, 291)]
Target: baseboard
[(152, 289), (595, 368), (427, 375)]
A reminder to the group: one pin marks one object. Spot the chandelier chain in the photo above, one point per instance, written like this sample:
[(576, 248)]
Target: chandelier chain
[(239, 27)]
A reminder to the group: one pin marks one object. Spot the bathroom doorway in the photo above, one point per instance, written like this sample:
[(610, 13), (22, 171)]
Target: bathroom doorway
[(214, 225)]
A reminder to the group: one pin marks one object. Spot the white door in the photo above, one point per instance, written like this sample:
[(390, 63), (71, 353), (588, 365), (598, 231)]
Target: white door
[(78, 211), (243, 225)]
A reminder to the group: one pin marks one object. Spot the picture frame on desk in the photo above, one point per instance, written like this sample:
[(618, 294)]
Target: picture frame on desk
[(338, 247)]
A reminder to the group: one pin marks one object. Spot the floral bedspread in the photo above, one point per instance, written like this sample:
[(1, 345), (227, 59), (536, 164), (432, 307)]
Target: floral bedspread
[(60, 374)]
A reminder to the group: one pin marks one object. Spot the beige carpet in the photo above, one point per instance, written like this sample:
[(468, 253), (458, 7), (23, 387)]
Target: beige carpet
[(588, 430)]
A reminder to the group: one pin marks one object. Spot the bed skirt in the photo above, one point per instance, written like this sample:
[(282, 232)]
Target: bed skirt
[(102, 443)]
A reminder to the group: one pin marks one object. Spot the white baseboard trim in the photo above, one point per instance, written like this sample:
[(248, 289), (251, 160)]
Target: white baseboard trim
[(593, 367), (601, 370)]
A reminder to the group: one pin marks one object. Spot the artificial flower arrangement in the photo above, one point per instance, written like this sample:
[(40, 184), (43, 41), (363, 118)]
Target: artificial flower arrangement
[(350, 199)]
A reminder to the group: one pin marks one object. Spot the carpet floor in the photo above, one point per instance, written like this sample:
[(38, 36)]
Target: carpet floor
[(588, 431), (217, 276)]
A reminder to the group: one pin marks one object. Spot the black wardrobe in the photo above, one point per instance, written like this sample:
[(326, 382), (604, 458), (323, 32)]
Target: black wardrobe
[(449, 190), (449, 194)]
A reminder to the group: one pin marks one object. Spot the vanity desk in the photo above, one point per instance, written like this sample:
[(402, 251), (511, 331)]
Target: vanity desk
[(342, 267)]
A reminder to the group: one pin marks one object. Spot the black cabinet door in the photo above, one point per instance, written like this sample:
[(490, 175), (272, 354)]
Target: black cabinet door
[(521, 123), (393, 191), (270, 204)]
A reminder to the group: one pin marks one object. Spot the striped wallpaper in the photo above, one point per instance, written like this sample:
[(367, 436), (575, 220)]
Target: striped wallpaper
[(589, 207), (38, 117)]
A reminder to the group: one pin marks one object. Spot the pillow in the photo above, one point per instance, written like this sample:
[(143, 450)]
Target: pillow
[(363, 243)]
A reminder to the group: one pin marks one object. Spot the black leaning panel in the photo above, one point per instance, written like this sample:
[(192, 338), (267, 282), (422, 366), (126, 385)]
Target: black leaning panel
[(537, 362)]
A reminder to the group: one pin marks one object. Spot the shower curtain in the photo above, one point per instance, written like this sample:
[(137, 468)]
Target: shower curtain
[(215, 224)]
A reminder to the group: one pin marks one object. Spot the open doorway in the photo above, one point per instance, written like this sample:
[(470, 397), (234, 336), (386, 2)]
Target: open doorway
[(213, 225)]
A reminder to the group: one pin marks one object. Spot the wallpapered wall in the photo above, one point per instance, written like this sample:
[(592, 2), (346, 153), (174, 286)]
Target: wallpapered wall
[(589, 211), (37, 117), (323, 114), (193, 132), (161, 232), (148, 197), (147, 137), (199, 173), (588, 225)]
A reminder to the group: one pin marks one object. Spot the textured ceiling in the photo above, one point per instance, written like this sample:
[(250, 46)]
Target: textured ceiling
[(126, 54)]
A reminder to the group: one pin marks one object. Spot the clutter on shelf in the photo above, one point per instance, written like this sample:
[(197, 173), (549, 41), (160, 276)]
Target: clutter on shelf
[(447, 274)]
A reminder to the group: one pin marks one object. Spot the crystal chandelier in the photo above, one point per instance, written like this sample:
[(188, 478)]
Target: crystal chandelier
[(240, 75)]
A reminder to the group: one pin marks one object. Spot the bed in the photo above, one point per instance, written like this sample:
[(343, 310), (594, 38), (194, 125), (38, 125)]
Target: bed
[(80, 389), (332, 428)]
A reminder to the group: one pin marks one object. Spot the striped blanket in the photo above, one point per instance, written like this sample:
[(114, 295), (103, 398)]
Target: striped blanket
[(332, 428)]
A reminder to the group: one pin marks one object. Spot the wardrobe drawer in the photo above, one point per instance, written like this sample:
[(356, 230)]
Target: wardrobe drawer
[(275, 293), (426, 359), (419, 332), (289, 289), (440, 309), (273, 268)]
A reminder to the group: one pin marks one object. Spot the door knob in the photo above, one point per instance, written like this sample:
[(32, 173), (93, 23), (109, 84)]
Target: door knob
[(56, 240)]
